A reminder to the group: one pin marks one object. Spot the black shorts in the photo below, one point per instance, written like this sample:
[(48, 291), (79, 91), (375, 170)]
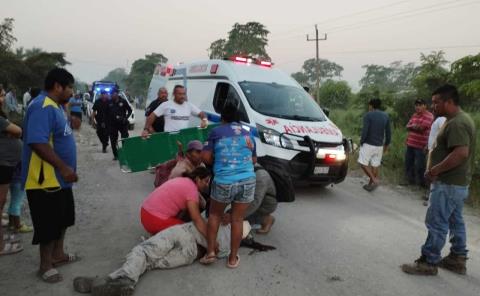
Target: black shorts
[(52, 212), (76, 114), (6, 174)]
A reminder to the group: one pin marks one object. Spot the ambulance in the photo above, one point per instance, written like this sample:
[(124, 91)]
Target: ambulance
[(295, 139)]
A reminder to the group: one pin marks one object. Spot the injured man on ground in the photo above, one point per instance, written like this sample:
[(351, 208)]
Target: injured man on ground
[(173, 247)]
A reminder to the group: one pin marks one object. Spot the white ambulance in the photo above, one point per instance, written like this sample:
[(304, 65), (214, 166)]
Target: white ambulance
[(295, 139)]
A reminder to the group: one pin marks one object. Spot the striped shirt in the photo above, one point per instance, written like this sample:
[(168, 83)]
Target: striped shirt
[(419, 139)]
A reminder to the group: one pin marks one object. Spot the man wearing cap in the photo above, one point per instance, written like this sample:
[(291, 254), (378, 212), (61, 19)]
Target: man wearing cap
[(192, 160), (418, 130)]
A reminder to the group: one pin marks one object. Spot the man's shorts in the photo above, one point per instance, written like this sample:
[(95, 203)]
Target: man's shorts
[(52, 212), (370, 155), (240, 192), (6, 174), (76, 114)]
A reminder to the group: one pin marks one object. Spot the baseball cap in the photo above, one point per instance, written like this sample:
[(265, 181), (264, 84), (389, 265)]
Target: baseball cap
[(195, 145), (420, 102)]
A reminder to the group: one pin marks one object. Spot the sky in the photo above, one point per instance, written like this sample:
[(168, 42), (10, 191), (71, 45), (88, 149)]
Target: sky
[(98, 36)]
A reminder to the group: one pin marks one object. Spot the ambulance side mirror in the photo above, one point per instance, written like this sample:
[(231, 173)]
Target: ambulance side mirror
[(307, 89), (326, 111)]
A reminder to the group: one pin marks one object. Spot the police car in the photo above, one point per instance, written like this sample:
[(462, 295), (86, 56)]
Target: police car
[(108, 86), (295, 139)]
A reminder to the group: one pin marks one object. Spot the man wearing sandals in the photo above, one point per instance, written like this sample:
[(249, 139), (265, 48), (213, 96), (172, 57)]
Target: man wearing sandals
[(48, 171)]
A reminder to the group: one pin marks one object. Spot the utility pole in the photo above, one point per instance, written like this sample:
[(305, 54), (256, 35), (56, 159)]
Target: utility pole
[(317, 66)]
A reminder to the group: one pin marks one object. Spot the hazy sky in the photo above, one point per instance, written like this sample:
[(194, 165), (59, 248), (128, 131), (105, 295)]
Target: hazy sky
[(100, 35)]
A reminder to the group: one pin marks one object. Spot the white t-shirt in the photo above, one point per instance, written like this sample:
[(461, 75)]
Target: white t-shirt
[(436, 125), (176, 116)]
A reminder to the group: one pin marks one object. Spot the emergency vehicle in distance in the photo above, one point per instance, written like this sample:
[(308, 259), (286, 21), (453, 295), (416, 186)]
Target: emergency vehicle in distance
[(108, 86), (295, 140)]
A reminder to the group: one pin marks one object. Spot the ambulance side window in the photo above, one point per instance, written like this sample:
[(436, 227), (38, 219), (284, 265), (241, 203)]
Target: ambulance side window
[(226, 93)]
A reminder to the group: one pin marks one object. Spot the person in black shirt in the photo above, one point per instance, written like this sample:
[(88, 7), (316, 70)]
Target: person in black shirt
[(159, 123), (100, 119), (118, 112)]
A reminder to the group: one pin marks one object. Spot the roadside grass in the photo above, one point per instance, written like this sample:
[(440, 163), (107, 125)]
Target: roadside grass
[(392, 170)]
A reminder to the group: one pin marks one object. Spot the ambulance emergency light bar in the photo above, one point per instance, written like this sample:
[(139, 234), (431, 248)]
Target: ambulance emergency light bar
[(249, 60)]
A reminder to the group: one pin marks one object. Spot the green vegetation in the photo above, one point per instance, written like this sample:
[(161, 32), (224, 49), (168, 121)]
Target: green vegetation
[(244, 39), (398, 85)]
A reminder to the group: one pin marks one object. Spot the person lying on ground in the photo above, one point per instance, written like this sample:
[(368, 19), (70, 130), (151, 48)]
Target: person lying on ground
[(172, 199), (176, 246), (264, 202)]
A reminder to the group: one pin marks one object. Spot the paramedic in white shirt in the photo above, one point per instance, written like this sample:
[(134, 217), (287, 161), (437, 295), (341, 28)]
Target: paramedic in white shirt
[(177, 113), (436, 125)]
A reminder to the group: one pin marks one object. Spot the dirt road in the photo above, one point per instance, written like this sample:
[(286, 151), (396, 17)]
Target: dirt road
[(334, 241)]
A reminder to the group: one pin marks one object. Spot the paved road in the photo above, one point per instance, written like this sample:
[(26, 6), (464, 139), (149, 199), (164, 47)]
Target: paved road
[(334, 241)]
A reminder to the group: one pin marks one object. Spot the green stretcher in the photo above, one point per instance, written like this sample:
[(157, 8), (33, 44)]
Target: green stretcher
[(137, 154)]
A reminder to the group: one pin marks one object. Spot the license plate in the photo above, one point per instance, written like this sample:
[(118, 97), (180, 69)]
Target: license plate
[(320, 170)]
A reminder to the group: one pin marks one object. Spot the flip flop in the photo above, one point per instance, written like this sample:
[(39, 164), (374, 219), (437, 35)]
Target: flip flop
[(24, 228), (71, 258), (10, 248), (51, 276), (233, 266), (10, 238), (208, 259)]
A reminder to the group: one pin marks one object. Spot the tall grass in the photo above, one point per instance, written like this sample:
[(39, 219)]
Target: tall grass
[(350, 122)]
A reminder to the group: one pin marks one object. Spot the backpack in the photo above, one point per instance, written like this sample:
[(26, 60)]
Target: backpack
[(163, 170)]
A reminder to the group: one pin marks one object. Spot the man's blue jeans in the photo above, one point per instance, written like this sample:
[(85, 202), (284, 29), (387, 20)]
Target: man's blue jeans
[(445, 215), (415, 165)]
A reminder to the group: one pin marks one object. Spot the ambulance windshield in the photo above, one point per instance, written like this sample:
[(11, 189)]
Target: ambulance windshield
[(282, 101)]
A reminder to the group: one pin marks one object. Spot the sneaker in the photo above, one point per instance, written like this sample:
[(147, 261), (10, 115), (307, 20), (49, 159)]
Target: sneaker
[(113, 287), (454, 263), (420, 267)]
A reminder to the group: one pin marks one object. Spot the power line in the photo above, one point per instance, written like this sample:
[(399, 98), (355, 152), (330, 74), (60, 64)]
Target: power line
[(393, 17), (346, 16), (402, 15)]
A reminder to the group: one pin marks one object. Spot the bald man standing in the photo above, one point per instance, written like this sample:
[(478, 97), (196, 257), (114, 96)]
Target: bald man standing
[(162, 97)]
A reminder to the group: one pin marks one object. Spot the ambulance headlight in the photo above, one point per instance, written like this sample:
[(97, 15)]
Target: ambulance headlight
[(332, 154), (272, 137)]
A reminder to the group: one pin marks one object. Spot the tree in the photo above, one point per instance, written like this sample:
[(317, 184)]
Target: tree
[(217, 49), (302, 79), (377, 77), (118, 75), (249, 39), (465, 73), (335, 94), (432, 73), (141, 73), (326, 70), (6, 36)]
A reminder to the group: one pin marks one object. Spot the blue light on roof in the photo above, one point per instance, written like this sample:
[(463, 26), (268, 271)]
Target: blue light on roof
[(98, 88), (107, 89)]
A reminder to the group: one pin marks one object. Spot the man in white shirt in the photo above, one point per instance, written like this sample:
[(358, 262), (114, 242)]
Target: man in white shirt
[(432, 138), (26, 99), (436, 126), (177, 113)]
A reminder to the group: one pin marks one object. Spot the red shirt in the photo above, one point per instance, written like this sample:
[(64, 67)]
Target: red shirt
[(417, 139)]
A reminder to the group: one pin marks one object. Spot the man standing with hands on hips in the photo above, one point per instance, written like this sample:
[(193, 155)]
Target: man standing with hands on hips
[(48, 172), (177, 113), (449, 169)]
